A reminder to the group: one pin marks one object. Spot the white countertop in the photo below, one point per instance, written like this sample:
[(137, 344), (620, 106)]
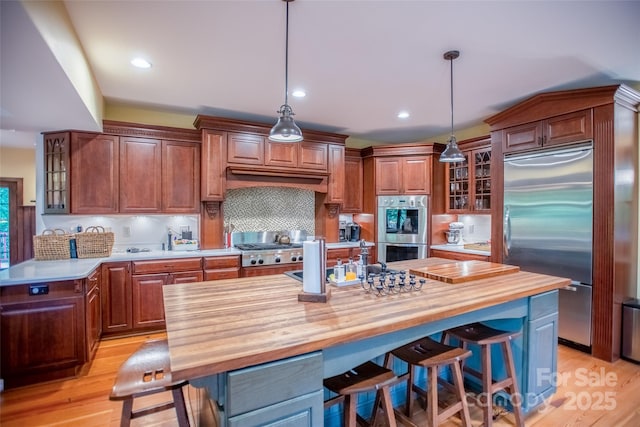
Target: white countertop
[(70, 269), (460, 248)]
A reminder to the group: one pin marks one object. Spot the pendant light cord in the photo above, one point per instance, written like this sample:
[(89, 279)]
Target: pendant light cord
[(286, 59), (451, 81)]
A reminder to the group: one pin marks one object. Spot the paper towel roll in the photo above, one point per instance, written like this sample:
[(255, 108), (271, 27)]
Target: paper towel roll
[(311, 267)]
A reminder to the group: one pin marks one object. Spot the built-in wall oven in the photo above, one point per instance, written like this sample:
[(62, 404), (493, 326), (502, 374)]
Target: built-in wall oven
[(402, 227)]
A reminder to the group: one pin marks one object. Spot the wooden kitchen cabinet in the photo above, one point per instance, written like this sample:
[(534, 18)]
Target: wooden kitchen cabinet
[(301, 155), (56, 172), (221, 267), (117, 315), (93, 312), (213, 164), (147, 280), (403, 175), (246, 149), (353, 182), (127, 169), (562, 129), (180, 177), (468, 185), (336, 187), (42, 334), (95, 183), (141, 169)]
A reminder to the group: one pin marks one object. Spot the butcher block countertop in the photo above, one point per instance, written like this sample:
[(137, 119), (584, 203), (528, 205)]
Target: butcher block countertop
[(223, 325)]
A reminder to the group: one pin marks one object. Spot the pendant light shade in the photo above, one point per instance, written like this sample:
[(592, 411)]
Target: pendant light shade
[(286, 130), (452, 153)]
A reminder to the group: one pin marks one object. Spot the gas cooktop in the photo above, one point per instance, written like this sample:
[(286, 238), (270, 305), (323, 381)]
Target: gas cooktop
[(266, 246)]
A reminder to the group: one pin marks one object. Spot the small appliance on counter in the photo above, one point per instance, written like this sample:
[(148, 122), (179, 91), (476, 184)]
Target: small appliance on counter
[(342, 231), (353, 232), (454, 234)]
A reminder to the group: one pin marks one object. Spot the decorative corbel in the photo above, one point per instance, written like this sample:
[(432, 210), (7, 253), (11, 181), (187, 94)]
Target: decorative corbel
[(213, 209), (333, 209)]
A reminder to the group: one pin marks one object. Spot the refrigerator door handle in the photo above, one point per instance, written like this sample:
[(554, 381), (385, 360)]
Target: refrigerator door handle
[(506, 232)]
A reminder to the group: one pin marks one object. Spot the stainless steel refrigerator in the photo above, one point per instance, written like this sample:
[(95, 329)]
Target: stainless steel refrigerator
[(548, 222)]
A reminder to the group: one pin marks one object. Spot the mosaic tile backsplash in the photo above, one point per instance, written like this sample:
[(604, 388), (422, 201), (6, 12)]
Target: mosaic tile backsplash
[(270, 209)]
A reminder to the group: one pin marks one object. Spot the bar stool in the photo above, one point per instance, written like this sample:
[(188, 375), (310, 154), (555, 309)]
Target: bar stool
[(147, 371), (484, 336), (366, 377), (432, 355)]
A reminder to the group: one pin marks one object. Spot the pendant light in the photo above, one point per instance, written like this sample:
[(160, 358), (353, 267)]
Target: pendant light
[(286, 130), (452, 153)]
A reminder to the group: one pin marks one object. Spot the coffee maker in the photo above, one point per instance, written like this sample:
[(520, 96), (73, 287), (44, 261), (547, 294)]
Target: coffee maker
[(342, 231), (353, 232)]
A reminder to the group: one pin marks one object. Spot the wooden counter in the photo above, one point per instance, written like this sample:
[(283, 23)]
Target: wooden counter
[(246, 340)]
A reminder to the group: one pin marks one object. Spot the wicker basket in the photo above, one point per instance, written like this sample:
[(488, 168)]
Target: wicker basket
[(94, 242), (52, 245)]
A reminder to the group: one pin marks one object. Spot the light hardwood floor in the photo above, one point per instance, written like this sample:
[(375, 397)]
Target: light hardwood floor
[(590, 393)]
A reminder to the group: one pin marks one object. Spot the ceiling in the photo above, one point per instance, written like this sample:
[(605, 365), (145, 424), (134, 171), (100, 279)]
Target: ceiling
[(361, 62)]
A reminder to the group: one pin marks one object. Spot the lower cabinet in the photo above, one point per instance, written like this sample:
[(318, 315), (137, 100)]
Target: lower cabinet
[(147, 297), (541, 361), (42, 331), (117, 314), (221, 267), (286, 392), (93, 315)]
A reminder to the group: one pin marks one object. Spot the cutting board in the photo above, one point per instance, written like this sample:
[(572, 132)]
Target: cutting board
[(464, 271)]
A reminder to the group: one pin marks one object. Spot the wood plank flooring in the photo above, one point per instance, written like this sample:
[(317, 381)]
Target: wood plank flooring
[(590, 393)]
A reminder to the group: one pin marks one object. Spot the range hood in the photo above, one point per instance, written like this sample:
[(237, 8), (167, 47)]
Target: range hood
[(246, 176)]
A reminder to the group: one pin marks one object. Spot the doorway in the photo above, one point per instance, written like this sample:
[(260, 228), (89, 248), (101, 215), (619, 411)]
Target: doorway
[(10, 198)]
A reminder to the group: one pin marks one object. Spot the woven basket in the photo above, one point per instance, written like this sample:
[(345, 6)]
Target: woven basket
[(52, 245), (94, 242)]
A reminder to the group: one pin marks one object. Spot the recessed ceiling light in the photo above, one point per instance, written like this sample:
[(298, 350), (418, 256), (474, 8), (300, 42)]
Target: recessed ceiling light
[(299, 93), (403, 114), (140, 63)]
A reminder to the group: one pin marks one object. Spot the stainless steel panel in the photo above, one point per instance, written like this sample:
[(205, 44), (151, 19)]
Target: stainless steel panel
[(390, 252), (409, 219), (548, 212), (574, 316), (631, 331)]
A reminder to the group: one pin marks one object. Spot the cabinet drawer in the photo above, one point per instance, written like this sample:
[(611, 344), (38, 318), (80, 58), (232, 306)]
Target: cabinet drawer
[(167, 265), (543, 305), (260, 386), (212, 263)]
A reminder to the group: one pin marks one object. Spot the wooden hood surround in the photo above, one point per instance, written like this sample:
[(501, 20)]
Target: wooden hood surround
[(609, 117), (238, 154)]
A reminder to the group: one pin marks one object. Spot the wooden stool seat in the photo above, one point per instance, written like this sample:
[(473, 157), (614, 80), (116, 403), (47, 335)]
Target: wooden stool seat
[(366, 377), (485, 336), (432, 355), (147, 371)]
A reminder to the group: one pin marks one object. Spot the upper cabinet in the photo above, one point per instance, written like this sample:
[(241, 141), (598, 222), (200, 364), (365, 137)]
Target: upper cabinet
[(56, 172), (353, 182), (468, 185), (403, 175), (562, 129), (238, 154), (95, 183), (114, 172)]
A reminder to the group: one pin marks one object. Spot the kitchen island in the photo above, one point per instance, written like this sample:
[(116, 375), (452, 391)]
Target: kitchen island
[(261, 354)]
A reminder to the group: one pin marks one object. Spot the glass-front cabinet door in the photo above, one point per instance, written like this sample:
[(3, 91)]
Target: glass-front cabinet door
[(482, 179), (56, 172), (469, 183)]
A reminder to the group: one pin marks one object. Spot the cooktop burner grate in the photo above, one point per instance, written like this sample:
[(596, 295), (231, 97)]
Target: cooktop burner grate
[(266, 246)]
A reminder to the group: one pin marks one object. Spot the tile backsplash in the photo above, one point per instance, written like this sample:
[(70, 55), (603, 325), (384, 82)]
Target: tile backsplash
[(270, 209)]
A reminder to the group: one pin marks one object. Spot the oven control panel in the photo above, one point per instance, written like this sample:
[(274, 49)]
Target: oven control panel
[(271, 257)]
